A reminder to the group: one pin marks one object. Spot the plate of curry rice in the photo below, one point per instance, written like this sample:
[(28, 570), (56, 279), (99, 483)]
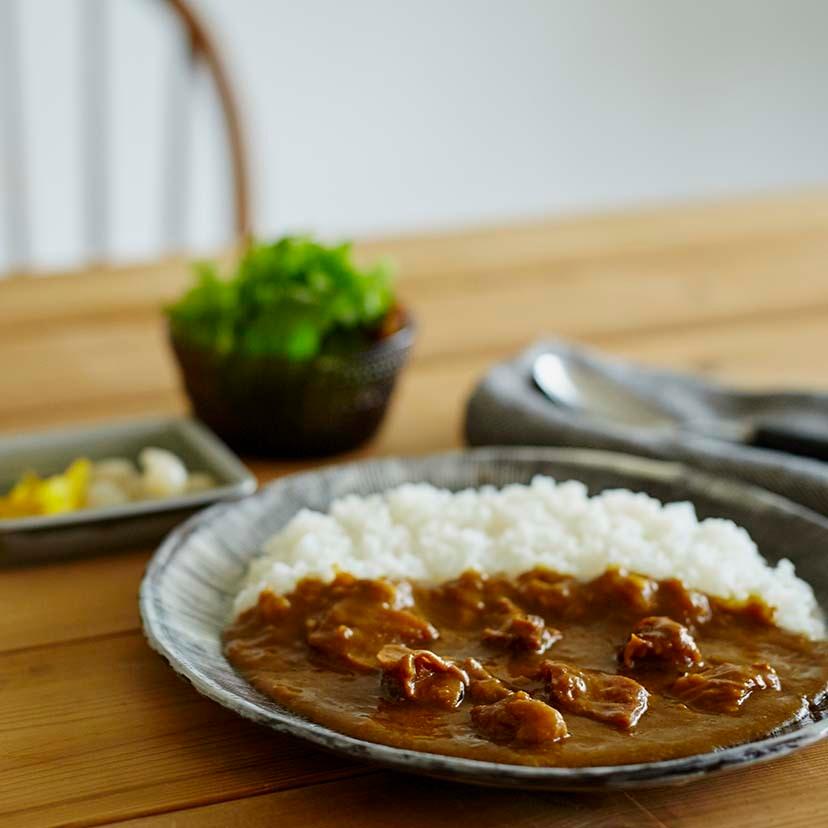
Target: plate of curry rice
[(521, 617)]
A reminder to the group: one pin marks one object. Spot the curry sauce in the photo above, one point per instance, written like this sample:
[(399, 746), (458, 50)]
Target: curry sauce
[(537, 670)]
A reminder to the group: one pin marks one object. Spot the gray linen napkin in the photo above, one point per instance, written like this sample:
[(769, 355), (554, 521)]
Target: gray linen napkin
[(507, 408)]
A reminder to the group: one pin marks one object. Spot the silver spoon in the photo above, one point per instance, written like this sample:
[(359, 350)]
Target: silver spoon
[(577, 387)]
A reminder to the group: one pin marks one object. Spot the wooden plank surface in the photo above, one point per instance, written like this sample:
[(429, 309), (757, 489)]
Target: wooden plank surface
[(95, 729), (411, 803), (98, 728)]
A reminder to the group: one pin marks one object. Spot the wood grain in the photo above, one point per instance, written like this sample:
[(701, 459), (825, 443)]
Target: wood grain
[(109, 605), (408, 802), (101, 727), (95, 729)]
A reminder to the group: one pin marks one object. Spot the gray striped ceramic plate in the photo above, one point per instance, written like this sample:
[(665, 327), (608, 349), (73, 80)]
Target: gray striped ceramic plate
[(188, 589)]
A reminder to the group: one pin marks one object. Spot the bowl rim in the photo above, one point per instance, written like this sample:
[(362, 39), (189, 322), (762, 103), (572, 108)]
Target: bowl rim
[(264, 711)]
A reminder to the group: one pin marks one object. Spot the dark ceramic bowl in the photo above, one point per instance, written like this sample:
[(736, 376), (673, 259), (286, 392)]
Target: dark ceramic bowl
[(187, 593), (273, 407)]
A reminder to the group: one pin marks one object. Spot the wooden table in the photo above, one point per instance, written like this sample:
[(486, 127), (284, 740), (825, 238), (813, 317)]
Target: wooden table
[(95, 729)]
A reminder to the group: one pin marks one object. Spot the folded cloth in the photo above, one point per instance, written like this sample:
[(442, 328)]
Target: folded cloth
[(507, 408)]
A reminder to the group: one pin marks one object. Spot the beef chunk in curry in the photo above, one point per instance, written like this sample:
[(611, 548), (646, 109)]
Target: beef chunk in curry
[(550, 593), (461, 601), (617, 700), (520, 631), (690, 607), (660, 639), (723, 688), (484, 688), (421, 677), (519, 718), (635, 591)]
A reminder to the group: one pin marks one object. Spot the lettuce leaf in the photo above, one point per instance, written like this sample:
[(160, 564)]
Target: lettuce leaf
[(293, 298)]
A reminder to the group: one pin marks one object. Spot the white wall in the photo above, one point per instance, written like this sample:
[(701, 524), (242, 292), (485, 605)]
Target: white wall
[(375, 116)]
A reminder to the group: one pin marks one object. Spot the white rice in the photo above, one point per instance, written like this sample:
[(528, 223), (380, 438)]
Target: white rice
[(431, 535)]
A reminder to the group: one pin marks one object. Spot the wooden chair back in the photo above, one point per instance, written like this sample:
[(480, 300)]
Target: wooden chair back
[(96, 156)]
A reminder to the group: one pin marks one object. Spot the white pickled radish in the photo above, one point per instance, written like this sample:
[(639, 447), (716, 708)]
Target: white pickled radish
[(104, 493), (114, 468), (164, 475)]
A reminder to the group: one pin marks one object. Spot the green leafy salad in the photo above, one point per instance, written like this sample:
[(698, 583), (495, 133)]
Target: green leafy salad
[(294, 298)]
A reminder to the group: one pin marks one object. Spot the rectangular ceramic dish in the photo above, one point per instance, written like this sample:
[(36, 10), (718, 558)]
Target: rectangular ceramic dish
[(133, 525)]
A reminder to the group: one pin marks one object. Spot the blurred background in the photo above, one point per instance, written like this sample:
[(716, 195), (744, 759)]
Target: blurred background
[(370, 117)]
